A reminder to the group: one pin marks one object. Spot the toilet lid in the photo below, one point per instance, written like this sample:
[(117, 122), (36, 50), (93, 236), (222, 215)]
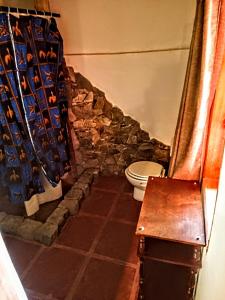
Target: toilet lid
[(143, 169)]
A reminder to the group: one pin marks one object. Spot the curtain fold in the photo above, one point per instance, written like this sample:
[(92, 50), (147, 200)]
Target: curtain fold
[(33, 106), (204, 65), (215, 138)]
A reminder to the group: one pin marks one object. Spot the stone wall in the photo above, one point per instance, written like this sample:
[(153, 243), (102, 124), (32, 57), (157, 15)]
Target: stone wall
[(103, 137)]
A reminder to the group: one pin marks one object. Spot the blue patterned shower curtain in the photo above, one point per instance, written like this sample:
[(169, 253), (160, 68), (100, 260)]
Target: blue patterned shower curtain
[(33, 106)]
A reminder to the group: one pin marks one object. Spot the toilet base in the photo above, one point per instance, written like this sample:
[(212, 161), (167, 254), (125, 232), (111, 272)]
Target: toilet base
[(138, 194)]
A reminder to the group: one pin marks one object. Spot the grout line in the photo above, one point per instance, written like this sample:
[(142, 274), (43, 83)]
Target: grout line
[(32, 242), (96, 255), (105, 190), (114, 219), (64, 227), (92, 249), (114, 260), (76, 250), (33, 260), (86, 214), (120, 220), (129, 52), (78, 278)]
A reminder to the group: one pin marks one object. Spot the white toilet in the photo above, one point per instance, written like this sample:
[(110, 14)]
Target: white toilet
[(138, 173)]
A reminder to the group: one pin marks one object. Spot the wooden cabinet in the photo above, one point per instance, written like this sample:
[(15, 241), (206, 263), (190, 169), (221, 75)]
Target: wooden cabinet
[(171, 238)]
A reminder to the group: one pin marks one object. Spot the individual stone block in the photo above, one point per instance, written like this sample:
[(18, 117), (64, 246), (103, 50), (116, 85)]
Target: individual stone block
[(58, 216), (71, 74), (74, 194), (95, 136), (86, 142), (11, 223), (99, 103), (89, 97), (79, 168), (132, 140), (108, 109), (70, 204), (3, 215), (84, 187), (117, 114), (46, 233), (95, 173), (110, 160), (83, 82), (69, 194), (143, 135), (27, 228), (146, 147), (104, 121), (86, 178), (91, 163)]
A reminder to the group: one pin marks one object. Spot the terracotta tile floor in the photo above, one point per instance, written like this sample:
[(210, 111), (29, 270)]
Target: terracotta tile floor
[(94, 257)]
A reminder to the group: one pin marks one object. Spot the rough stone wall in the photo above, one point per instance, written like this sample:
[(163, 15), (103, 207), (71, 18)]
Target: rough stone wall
[(103, 137)]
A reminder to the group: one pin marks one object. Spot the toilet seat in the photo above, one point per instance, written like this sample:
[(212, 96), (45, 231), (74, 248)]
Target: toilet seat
[(137, 177), (141, 170)]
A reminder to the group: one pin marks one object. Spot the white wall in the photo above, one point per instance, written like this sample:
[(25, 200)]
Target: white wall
[(211, 280), (147, 86)]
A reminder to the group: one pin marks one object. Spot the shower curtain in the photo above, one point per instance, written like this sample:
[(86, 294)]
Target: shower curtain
[(33, 109)]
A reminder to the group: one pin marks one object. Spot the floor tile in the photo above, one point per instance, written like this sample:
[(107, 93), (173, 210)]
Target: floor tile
[(80, 232), (127, 208), (118, 241), (104, 280), (21, 252), (54, 272), (31, 295), (110, 183), (98, 202), (128, 188)]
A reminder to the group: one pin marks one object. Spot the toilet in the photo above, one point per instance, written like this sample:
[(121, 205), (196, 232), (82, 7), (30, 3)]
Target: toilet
[(137, 174)]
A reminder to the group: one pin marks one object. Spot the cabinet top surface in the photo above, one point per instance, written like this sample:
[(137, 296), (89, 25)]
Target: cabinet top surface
[(172, 210)]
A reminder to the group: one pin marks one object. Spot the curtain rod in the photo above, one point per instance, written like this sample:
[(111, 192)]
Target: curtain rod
[(26, 11)]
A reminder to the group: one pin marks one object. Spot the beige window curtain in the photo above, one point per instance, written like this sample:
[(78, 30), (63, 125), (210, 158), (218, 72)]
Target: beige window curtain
[(203, 71), (215, 136)]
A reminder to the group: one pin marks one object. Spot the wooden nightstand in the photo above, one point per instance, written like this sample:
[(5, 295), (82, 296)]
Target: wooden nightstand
[(171, 238)]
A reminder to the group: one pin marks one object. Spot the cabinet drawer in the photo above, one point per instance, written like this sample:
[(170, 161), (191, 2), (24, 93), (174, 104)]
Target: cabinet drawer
[(171, 252)]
